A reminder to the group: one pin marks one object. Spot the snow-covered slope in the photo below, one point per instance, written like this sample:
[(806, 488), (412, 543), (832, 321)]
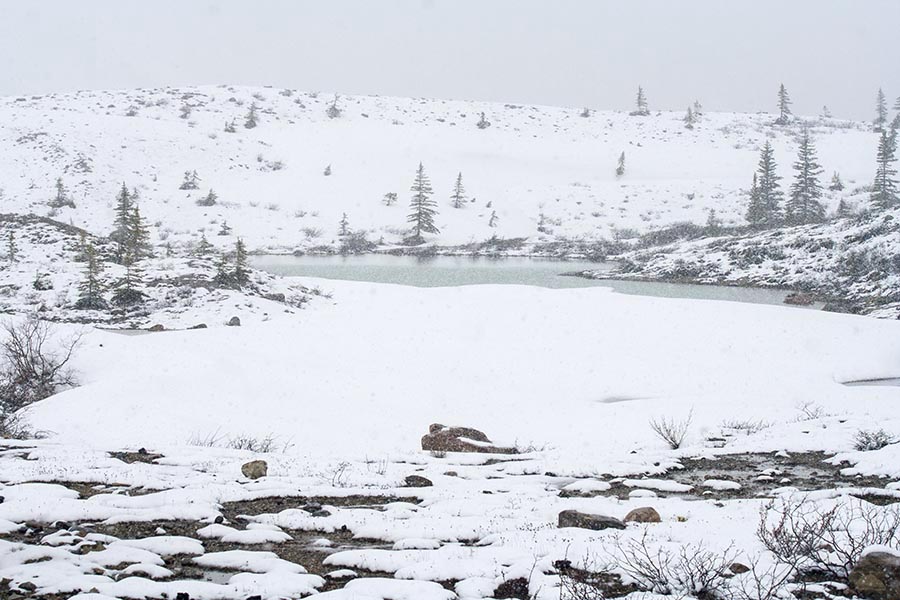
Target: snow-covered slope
[(272, 189)]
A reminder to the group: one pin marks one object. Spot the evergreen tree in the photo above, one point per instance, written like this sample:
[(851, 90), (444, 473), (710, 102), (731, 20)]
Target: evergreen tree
[(123, 217), (252, 119), (713, 223), (223, 277), (127, 290), (12, 251), (881, 111), (884, 192), (209, 199), (130, 232), (826, 113), (585, 112), (230, 126), (333, 110), (784, 106), (843, 209), (756, 214), (689, 118), (185, 111), (203, 248), (483, 123), (327, 171), (139, 236), (344, 225), (770, 193), (90, 290), (641, 107), (62, 196), (897, 103), (389, 198), (241, 269), (459, 194), (492, 222), (698, 109), (224, 229), (836, 184), (422, 208), (804, 204), (620, 168), (191, 181)]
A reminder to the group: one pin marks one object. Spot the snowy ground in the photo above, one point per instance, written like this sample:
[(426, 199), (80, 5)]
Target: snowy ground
[(347, 387), (271, 187)]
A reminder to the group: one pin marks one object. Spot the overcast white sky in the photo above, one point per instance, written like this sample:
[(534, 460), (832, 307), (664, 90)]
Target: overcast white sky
[(730, 54)]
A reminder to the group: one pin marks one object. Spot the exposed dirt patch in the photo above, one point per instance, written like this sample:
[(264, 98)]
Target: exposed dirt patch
[(141, 456)]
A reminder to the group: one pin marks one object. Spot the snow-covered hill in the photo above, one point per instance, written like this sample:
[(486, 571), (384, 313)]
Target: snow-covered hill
[(271, 186)]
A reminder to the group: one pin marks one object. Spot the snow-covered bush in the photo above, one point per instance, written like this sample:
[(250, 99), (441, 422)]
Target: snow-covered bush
[(866, 440)]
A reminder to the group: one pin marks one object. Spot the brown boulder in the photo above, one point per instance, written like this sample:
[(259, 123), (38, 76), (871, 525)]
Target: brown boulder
[(877, 576), (644, 514), (255, 469), (417, 481), (799, 299), (441, 438)]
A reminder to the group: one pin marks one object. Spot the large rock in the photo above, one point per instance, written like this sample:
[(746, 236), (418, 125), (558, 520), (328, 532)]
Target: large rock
[(255, 469), (574, 518), (877, 576), (417, 481), (644, 514), (234, 322), (441, 438)]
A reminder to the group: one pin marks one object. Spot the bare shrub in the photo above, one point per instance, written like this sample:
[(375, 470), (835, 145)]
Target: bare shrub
[(747, 426), (761, 583), (810, 411), (810, 538), (267, 444), (866, 440), (339, 475), (671, 430), (34, 364), (14, 426)]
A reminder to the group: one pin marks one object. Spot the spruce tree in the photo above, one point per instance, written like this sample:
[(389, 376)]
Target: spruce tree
[(689, 118), (12, 251), (713, 223), (804, 205), (459, 194), (333, 110), (223, 277), (230, 126), (770, 194), (225, 229), (344, 226), (642, 108), (139, 236), (492, 222), (209, 199), (203, 248), (620, 168), (756, 214), (884, 192), (836, 184), (252, 119), (90, 290), (120, 232), (241, 269), (389, 198), (127, 290), (784, 106), (422, 208), (698, 109), (483, 123), (62, 196), (881, 111), (191, 181), (826, 113), (843, 209)]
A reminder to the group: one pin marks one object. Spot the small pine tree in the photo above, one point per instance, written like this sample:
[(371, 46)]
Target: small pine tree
[(225, 229), (492, 222), (586, 112), (826, 113), (333, 111), (203, 248), (836, 184), (390, 198), (459, 194), (784, 106), (90, 290), (620, 168), (756, 214), (139, 236), (770, 194), (223, 277), (884, 192), (642, 108), (230, 126), (127, 290), (897, 103), (185, 111), (12, 250), (209, 199), (689, 118), (542, 222), (713, 223), (804, 205), (483, 123), (344, 226), (241, 269), (62, 196), (698, 109), (843, 209), (422, 208), (881, 111), (191, 181), (327, 171), (252, 118)]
